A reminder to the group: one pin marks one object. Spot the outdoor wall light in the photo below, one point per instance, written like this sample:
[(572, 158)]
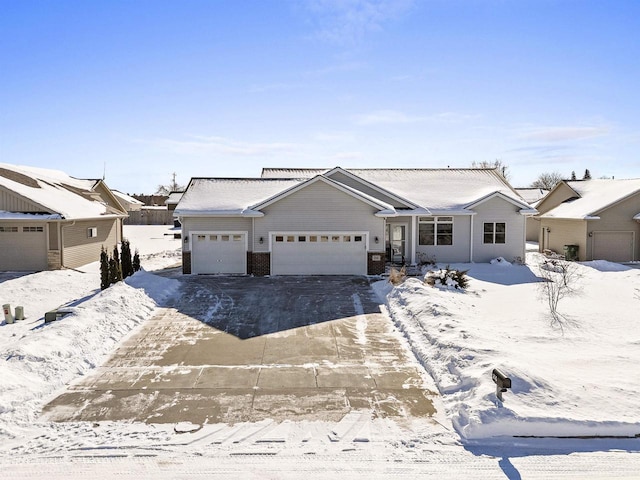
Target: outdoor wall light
[(261, 240), (377, 240), (591, 234), (548, 230)]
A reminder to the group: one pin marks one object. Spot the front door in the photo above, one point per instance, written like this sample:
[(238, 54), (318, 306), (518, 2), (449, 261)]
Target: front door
[(396, 239)]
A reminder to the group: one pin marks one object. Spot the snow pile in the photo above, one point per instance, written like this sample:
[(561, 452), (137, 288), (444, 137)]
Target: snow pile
[(37, 361), (572, 381)]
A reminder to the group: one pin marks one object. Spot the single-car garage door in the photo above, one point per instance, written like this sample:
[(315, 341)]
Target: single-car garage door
[(321, 254), (613, 246), (219, 252), (23, 248)]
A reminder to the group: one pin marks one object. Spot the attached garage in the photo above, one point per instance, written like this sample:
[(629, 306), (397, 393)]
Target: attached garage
[(219, 252), (613, 246), (318, 254), (24, 247)]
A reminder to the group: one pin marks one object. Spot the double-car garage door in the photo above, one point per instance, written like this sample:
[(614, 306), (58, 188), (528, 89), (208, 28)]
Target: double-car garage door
[(291, 253), (318, 254)]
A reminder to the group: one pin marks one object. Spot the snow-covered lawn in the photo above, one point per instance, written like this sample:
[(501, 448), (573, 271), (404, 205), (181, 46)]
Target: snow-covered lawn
[(578, 380)]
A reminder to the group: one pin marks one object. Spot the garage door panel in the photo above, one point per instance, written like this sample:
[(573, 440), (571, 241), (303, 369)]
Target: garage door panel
[(326, 254), (218, 253), (22, 250), (613, 246)]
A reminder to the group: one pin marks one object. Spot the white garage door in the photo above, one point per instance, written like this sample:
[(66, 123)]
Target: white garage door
[(613, 246), (322, 254), (219, 253), (22, 248)]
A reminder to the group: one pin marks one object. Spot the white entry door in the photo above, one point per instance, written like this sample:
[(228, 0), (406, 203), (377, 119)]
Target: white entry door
[(318, 254), (218, 252)]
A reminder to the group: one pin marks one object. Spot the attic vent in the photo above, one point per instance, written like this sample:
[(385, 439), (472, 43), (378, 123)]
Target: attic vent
[(19, 178)]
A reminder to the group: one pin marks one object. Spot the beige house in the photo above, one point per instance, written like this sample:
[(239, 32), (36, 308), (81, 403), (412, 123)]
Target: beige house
[(533, 196), (129, 203), (600, 217), (339, 221), (49, 220)]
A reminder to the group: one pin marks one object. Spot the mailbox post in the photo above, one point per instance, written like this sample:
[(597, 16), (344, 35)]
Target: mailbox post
[(502, 382)]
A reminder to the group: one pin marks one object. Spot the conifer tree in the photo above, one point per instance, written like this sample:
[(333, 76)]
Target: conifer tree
[(116, 270), (136, 261), (587, 175), (127, 267), (104, 269), (573, 175)]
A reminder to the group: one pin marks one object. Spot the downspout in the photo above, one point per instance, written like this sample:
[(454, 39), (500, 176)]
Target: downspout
[(414, 234), (524, 245), (471, 239)]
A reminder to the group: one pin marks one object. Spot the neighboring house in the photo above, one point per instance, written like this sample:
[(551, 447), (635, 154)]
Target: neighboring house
[(533, 196), (172, 201), (132, 205), (337, 221), (49, 220), (129, 203), (601, 217)]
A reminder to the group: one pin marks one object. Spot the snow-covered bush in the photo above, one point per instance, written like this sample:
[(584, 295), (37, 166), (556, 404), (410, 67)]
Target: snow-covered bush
[(447, 277), (396, 277)]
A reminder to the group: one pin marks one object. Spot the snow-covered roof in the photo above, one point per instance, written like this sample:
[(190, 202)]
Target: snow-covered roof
[(435, 190), (54, 192), (592, 197), (532, 195), (229, 196), (4, 215), (173, 198), (127, 198)]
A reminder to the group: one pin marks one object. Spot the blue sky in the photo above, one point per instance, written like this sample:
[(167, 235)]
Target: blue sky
[(223, 88)]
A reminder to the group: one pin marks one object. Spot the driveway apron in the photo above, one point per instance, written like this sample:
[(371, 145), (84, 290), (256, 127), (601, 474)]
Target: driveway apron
[(237, 349)]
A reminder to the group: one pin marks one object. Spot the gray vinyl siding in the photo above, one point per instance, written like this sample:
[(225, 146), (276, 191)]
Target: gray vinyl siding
[(23, 251), (214, 224), (319, 208), (533, 229), (458, 252), (54, 235), (499, 211), (556, 233), (78, 249), (346, 180)]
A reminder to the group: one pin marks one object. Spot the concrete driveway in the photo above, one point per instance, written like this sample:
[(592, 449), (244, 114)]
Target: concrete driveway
[(236, 349)]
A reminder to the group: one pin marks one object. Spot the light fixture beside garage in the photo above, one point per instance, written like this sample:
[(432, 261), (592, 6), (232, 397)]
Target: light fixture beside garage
[(261, 241), (377, 240)]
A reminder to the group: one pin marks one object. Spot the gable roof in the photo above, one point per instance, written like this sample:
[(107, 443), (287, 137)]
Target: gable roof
[(593, 197), (441, 190), (54, 194), (385, 208), (127, 198), (229, 196), (532, 195), (173, 198)]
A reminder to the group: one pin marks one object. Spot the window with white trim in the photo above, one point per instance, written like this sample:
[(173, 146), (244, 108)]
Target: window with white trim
[(494, 232), (92, 232), (435, 231)]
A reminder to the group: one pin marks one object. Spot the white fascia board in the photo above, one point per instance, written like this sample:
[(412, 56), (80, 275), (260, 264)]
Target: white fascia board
[(452, 213), (217, 213), (637, 217), (528, 212), (591, 217), (387, 213), (513, 201)]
